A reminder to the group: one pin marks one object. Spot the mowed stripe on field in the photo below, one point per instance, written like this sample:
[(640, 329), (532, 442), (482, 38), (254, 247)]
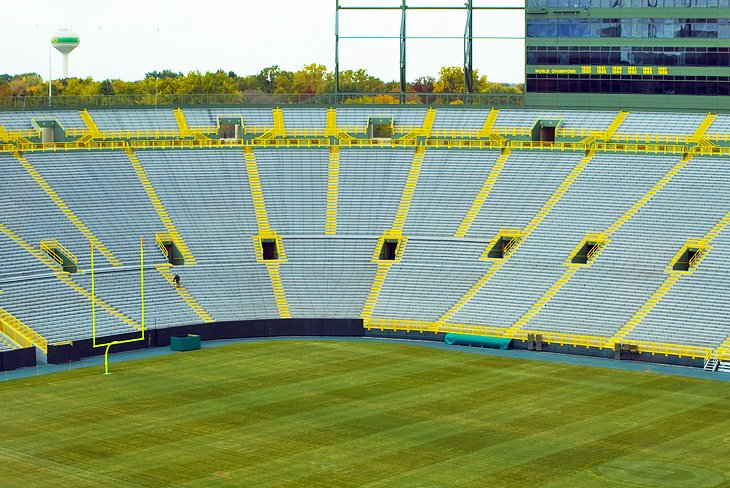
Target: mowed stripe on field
[(346, 413)]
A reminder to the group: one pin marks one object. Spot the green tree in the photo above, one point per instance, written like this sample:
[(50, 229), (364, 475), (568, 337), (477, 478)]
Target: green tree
[(106, 87), (310, 79)]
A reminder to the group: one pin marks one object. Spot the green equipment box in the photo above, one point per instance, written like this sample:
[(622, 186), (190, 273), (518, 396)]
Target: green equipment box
[(189, 342)]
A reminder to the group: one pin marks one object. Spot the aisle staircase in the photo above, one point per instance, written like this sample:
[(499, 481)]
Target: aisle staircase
[(615, 124), (66, 210), (481, 197), (333, 184), (160, 208), (164, 270)]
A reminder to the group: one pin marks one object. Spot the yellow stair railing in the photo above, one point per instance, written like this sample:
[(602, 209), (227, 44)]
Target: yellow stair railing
[(605, 235), (52, 245), (333, 184), (265, 231), (556, 196), (20, 333), (331, 123), (160, 208), (481, 197), (66, 210), (94, 131), (489, 123), (182, 123), (409, 189), (699, 133), (428, 122), (614, 125), (279, 128), (187, 297)]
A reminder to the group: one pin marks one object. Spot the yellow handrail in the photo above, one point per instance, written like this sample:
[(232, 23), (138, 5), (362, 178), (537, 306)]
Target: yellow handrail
[(23, 335)]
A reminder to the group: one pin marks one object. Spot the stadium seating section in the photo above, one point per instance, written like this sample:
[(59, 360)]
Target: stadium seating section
[(616, 232)]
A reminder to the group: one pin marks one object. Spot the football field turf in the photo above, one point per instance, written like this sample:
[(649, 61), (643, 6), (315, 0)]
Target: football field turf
[(312, 413)]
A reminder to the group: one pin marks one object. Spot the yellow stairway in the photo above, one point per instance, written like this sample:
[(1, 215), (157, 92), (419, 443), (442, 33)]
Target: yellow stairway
[(182, 123), (160, 208), (333, 184), (529, 229), (409, 189), (489, 123), (20, 333), (615, 124), (164, 270), (279, 128), (428, 122), (257, 194), (702, 129), (278, 286), (94, 131), (262, 221), (66, 210), (481, 197), (372, 298), (545, 298), (331, 123)]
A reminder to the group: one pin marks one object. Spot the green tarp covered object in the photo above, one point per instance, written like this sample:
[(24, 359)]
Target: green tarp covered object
[(480, 341)]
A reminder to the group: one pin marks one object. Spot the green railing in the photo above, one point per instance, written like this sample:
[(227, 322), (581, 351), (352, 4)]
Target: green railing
[(268, 99)]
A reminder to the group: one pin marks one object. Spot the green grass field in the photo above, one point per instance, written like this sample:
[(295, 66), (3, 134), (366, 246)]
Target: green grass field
[(357, 413)]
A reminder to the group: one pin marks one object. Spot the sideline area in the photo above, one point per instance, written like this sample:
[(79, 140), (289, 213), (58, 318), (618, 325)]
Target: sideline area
[(550, 357)]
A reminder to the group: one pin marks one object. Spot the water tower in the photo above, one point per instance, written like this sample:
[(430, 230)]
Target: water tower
[(65, 41)]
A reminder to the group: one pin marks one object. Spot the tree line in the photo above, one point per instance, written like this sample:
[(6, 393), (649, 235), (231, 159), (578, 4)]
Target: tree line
[(311, 79)]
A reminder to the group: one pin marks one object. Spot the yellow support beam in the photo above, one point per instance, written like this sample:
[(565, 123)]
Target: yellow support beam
[(94, 131), (66, 210), (160, 208), (279, 128), (187, 297), (409, 189), (23, 335), (613, 127), (428, 122), (481, 197), (333, 185), (182, 123), (489, 123), (559, 192)]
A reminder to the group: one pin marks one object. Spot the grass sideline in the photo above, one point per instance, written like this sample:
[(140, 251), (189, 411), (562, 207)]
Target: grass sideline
[(347, 413)]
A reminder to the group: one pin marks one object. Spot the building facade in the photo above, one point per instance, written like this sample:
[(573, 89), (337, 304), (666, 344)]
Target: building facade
[(628, 53)]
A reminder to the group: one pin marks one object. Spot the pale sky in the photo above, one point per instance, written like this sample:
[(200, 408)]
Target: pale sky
[(125, 39)]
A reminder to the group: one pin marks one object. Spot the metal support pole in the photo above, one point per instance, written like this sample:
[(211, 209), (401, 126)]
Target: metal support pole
[(403, 52), (468, 54), (337, 51)]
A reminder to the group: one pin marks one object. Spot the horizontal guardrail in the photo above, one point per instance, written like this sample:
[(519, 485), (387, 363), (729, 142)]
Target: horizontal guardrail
[(563, 339)]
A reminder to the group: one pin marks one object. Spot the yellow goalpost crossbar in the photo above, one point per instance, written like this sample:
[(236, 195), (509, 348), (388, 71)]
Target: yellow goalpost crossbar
[(108, 345)]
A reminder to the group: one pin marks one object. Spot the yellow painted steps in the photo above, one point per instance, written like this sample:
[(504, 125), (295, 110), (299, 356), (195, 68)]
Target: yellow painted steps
[(38, 178), (331, 123), (409, 189), (182, 123), (545, 298), (21, 333), (489, 123), (187, 297), (559, 192), (279, 128), (278, 286), (428, 122), (90, 124), (333, 184), (35, 252), (376, 287), (647, 307), (257, 194), (615, 124), (702, 129), (66, 279), (160, 208), (481, 197)]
